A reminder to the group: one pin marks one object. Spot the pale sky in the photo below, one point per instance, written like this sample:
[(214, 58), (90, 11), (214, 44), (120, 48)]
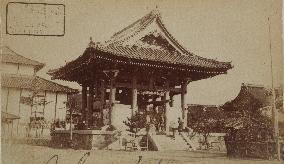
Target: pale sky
[(226, 30)]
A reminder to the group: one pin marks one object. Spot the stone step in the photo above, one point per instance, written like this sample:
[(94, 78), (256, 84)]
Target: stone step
[(164, 142), (189, 142)]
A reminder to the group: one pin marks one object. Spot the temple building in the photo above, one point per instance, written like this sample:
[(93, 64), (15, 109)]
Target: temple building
[(139, 69), (26, 97)]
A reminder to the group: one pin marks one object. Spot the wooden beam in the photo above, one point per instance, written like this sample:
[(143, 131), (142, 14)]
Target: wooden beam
[(144, 87)]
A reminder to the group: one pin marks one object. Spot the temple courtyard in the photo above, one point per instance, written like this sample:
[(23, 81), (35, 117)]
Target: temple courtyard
[(20, 154)]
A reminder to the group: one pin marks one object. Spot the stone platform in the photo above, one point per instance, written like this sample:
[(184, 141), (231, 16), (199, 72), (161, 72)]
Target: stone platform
[(82, 139)]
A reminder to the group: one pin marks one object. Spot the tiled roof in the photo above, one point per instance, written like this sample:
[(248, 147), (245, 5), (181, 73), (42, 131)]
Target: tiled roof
[(9, 56), (145, 43), (140, 25), (124, 43), (33, 83), (164, 56), (258, 93)]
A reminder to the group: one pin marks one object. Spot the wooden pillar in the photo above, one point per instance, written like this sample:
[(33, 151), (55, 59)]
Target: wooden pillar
[(111, 74), (102, 91), (134, 95), (84, 101), (90, 103), (151, 82), (19, 112), (44, 104), (167, 106), (171, 100), (55, 106), (184, 103), (96, 88), (112, 91), (102, 99), (7, 100)]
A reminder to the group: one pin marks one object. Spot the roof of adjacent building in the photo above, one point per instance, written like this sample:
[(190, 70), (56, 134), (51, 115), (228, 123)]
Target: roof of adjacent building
[(259, 94), (10, 56), (33, 83), (148, 43)]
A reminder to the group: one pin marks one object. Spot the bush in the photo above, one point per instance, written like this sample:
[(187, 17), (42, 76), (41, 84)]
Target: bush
[(136, 122)]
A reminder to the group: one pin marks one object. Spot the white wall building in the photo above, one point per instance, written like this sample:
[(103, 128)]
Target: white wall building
[(26, 96)]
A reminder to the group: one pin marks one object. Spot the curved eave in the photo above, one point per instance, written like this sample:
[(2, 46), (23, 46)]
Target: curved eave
[(97, 55)]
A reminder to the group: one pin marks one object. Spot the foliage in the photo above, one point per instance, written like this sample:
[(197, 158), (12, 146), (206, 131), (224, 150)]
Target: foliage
[(255, 127), (205, 121), (73, 104), (136, 122), (253, 138)]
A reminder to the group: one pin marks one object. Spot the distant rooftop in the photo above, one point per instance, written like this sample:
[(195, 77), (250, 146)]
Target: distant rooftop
[(10, 56), (33, 83), (258, 93)]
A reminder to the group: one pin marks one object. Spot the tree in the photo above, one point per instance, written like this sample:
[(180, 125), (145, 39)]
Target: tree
[(205, 121), (254, 131), (136, 122)]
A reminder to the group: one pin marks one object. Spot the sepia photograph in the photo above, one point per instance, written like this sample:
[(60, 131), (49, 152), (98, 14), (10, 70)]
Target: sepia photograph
[(141, 82)]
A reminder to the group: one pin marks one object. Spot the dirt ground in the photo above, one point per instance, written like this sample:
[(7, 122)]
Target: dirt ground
[(26, 154)]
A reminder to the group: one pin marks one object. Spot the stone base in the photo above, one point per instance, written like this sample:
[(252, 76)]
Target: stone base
[(82, 139)]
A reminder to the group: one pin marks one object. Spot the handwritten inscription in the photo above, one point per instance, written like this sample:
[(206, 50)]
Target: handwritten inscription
[(38, 19)]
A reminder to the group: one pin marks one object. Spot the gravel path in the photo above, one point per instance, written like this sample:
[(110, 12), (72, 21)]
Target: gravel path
[(26, 154)]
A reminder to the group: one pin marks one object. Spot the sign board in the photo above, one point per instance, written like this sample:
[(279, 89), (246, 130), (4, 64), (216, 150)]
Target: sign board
[(37, 19)]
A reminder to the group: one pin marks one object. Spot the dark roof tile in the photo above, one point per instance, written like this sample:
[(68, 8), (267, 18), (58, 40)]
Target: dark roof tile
[(164, 56), (33, 83), (9, 56)]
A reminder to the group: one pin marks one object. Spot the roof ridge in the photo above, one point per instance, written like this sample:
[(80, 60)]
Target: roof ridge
[(39, 63), (155, 15), (10, 56), (170, 36), (152, 13)]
